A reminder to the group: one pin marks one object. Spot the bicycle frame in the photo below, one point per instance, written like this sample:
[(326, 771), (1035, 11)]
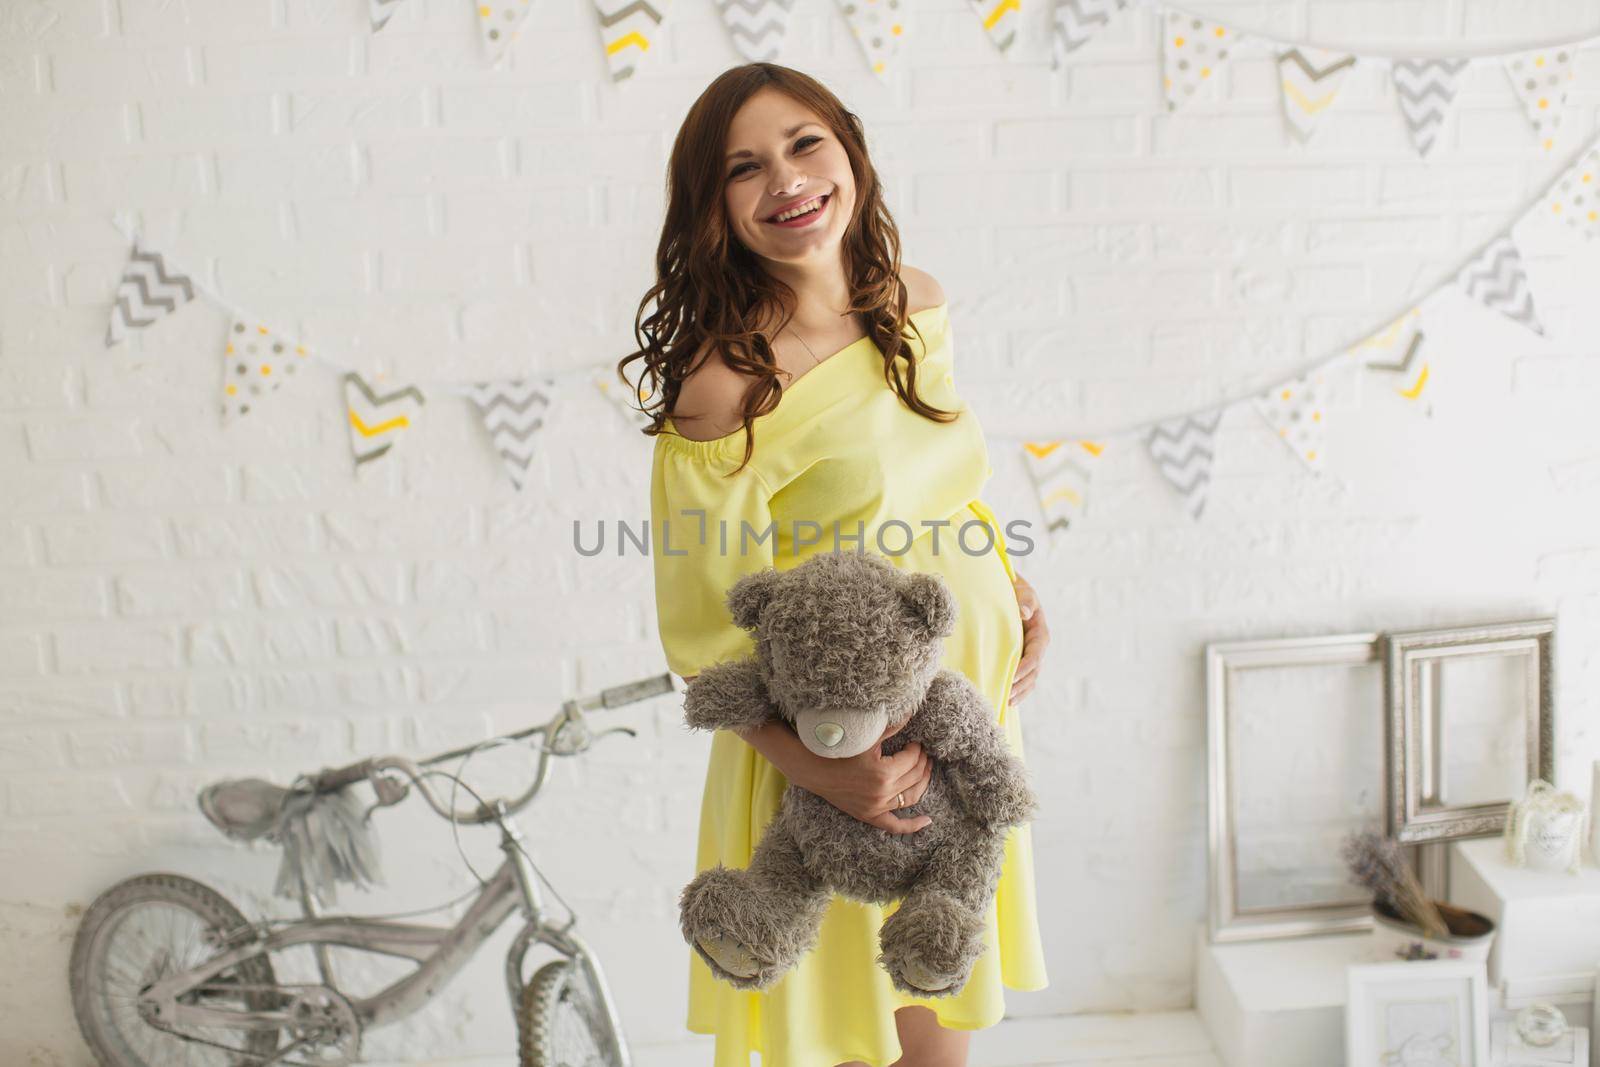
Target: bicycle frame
[(441, 952)]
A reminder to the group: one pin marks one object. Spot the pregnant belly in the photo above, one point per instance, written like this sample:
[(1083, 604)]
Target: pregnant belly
[(987, 642)]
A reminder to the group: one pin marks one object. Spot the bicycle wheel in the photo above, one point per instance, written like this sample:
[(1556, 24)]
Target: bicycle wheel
[(559, 1024), (139, 931)]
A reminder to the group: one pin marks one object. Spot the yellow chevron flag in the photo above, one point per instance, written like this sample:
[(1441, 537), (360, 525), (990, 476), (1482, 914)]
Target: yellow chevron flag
[(1060, 471)]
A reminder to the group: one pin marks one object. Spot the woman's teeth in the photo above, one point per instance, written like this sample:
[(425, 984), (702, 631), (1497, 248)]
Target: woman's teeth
[(814, 207)]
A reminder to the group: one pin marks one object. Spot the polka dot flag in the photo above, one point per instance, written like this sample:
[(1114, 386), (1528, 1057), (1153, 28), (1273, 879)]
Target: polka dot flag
[(498, 23), (255, 362), (878, 26), (1295, 412), (1540, 78), (1192, 49), (1574, 199)]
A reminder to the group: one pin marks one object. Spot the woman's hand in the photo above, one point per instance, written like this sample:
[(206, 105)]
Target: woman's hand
[(1035, 639), (869, 786)]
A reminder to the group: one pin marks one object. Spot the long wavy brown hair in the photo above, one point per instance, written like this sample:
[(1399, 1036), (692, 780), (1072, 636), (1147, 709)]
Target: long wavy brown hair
[(710, 288)]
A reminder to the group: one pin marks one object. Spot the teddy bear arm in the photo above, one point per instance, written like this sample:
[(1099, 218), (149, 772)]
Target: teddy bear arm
[(957, 730), (728, 696)]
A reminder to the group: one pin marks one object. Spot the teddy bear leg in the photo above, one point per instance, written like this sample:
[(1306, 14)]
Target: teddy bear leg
[(751, 926), (931, 942)]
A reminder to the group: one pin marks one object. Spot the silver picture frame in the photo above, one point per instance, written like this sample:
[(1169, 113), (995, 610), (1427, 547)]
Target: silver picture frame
[(1231, 915), (1418, 719)]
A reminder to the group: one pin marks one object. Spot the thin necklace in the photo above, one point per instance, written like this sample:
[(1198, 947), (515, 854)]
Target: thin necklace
[(814, 360)]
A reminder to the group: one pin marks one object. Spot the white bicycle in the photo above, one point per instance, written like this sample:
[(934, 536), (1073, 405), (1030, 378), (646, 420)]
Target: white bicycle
[(166, 971)]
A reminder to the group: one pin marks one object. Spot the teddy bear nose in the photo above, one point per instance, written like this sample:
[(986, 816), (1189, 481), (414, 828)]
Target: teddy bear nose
[(829, 733)]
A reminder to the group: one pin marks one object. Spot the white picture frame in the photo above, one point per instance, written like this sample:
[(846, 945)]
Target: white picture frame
[(1426, 1013)]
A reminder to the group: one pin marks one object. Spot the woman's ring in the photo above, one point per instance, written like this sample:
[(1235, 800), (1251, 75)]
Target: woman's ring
[(901, 798)]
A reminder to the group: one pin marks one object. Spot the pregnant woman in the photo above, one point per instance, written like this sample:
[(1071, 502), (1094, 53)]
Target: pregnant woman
[(806, 384)]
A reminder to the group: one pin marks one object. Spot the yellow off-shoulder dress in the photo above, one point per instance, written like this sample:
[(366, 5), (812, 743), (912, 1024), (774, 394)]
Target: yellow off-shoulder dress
[(840, 447)]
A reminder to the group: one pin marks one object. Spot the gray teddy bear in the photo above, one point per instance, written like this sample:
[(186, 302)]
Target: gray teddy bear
[(846, 644)]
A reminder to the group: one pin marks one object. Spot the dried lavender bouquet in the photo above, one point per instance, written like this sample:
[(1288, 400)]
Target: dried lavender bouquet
[(1378, 863)]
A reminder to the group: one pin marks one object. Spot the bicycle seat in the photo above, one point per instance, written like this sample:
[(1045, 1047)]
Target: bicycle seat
[(243, 808)]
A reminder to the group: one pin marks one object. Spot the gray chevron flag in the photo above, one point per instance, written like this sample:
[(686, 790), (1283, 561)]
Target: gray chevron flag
[(1426, 88), (1497, 280), (1076, 21), (381, 11), (148, 291), (513, 413), (758, 27), (1182, 449)]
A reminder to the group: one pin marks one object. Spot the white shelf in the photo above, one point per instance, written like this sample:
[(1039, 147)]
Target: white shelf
[(1546, 922)]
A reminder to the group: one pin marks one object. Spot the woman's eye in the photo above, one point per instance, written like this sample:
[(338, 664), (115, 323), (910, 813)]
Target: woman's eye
[(800, 144)]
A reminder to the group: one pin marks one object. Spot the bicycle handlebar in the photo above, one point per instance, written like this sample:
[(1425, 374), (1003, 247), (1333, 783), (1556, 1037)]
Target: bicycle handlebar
[(566, 734)]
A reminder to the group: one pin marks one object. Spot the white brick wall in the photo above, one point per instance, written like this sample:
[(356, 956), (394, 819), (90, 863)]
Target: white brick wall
[(180, 603)]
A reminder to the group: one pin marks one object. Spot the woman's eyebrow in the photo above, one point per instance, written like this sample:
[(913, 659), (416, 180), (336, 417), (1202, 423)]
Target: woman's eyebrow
[(790, 132)]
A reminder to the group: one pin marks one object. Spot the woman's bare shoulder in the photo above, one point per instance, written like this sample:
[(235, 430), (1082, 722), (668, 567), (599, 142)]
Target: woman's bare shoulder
[(923, 290), (710, 399)]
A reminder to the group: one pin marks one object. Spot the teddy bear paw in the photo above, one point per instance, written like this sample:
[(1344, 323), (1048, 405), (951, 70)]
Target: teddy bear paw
[(914, 973), (930, 944), (730, 956)]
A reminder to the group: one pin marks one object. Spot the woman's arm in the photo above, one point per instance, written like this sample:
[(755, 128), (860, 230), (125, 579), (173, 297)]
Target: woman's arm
[(869, 786), (863, 786)]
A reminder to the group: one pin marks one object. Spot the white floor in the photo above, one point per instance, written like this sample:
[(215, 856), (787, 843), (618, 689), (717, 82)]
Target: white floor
[(1150, 1039)]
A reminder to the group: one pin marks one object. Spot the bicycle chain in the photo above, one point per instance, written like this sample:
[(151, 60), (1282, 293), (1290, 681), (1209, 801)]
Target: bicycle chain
[(276, 1059)]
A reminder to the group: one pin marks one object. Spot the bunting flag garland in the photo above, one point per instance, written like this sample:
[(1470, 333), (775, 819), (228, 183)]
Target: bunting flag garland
[(1396, 351), (257, 358), (1575, 196), (877, 27), (1426, 88), (627, 29), (1191, 50), (1182, 449), (1310, 78), (1059, 471), (1497, 280), (380, 11), (1541, 77), (255, 362), (513, 413), (376, 421), (1074, 22), (999, 19), (499, 22), (1294, 411), (757, 27), (149, 290)]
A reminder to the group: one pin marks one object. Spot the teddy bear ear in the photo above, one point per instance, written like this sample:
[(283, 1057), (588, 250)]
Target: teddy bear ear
[(749, 595), (932, 602)]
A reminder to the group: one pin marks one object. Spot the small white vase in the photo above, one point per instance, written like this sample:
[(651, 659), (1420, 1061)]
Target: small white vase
[(1544, 830), (1553, 840)]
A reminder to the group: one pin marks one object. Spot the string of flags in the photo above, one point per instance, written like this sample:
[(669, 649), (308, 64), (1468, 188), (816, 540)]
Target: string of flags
[(1193, 48), (258, 360), (1183, 447)]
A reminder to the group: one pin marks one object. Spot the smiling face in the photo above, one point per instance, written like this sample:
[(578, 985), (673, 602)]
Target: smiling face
[(781, 155)]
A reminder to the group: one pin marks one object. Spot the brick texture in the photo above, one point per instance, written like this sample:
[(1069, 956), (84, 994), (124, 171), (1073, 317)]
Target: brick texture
[(181, 602)]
